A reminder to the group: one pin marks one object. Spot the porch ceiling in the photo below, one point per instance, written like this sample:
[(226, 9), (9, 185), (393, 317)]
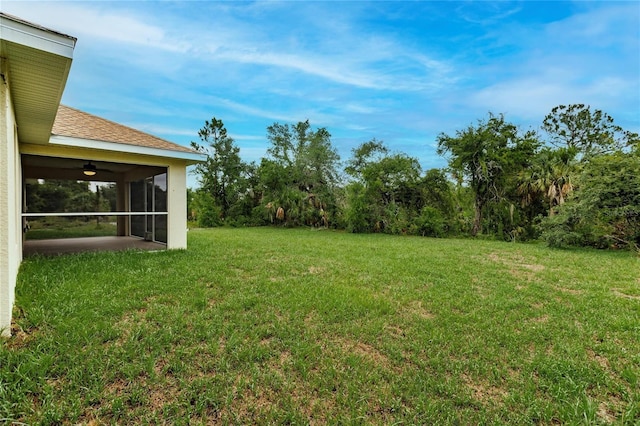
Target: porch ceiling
[(36, 66), (42, 167)]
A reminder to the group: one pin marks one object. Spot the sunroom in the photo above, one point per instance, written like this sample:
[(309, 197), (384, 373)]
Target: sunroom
[(148, 174)]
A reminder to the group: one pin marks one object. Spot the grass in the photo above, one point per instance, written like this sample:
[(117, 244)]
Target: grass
[(51, 228), (256, 326)]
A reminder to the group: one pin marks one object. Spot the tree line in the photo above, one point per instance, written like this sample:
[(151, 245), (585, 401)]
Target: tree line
[(68, 196), (573, 182)]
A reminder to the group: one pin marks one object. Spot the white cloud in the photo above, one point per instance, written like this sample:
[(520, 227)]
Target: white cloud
[(95, 21), (370, 62), (531, 98), (585, 58), (359, 108), (321, 67), (252, 111), (599, 25), (354, 69), (488, 12)]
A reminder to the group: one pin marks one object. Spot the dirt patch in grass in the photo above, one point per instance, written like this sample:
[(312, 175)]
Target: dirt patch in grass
[(364, 351), (618, 292), (116, 388), (158, 391), (284, 358), (518, 265), (311, 318), (315, 270), (415, 308), (132, 319), (605, 414), (266, 341), (21, 337), (483, 391), (540, 320), (573, 291), (395, 331), (128, 321), (251, 405), (602, 361), (610, 408), (369, 352), (161, 394)]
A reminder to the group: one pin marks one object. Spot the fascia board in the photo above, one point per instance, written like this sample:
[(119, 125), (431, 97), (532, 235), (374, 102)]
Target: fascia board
[(129, 149), (19, 32)]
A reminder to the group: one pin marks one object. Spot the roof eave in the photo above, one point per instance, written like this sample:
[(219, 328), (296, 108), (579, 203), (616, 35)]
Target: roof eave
[(22, 32), (188, 157), (37, 65)]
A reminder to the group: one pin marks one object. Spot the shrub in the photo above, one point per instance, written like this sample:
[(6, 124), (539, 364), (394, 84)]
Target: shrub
[(431, 222)]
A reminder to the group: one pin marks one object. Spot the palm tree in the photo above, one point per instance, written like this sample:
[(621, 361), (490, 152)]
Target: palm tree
[(548, 177)]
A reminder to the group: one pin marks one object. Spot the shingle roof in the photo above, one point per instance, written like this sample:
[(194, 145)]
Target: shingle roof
[(74, 123)]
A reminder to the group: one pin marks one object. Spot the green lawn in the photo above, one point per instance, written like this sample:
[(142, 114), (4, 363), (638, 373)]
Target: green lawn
[(51, 228), (312, 327)]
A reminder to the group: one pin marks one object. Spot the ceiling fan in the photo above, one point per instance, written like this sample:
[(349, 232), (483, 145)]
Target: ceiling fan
[(90, 169)]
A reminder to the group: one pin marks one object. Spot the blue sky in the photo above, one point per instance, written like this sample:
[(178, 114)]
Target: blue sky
[(400, 72)]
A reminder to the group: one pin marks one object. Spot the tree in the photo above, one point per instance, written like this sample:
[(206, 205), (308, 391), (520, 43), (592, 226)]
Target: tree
[(549, 177), (610, 186), (604, 210), (207, 212), (109, 192), (385, 192), (487, 155), (439, 210), (300, 174), (56, 196), (589, 132), (365, 155), (221, 173)]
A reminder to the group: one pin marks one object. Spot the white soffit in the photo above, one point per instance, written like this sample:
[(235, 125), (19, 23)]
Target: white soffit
[(190, 157), (37, 62)]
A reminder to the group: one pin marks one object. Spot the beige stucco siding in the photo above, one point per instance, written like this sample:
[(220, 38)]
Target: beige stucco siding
[(10, 208), (177, 206)]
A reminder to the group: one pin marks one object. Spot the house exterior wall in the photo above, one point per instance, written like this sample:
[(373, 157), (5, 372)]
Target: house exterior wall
[(10, 204), (177, 205)]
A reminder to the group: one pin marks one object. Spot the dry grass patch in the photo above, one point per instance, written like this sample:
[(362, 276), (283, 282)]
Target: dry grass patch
[(572, 291), (602, 361), (620, 293), (484, 392), (21, 337), (315, 270), (518, 265), (540, 320), (395, 331), (415, 308), (127, 323), (363, 350), (605, 413), (116, 388)]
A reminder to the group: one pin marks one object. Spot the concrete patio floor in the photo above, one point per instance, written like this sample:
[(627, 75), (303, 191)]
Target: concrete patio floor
[(79, 245)]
